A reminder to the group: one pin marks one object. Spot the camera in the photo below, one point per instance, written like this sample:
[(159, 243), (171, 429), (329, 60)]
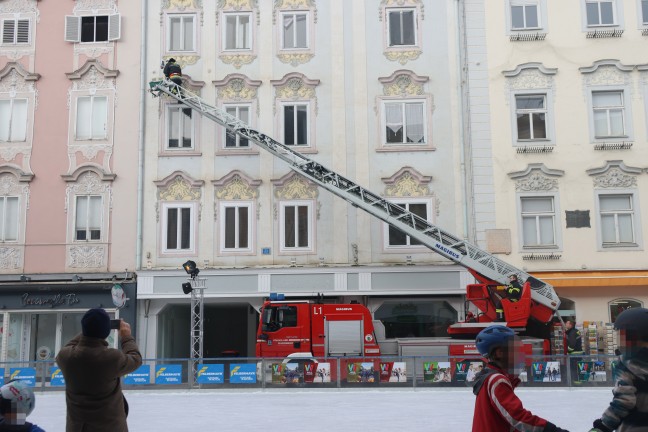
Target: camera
[(115, 324)]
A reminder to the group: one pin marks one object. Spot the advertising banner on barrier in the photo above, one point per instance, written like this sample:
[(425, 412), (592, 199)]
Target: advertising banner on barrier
[(546, 371), (287, 373), (141, 376), (25, 374), (243, 373), (2, 376), (168, 374), (317, 372), (210, 374), (437, 372), (585, 369), (467, 370), (56, 377), (393, 372), (361, 372)]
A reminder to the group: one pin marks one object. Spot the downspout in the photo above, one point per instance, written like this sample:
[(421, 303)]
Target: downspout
[(142, 134)]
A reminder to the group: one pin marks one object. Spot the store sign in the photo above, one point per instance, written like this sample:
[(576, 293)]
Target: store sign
[(50, 301)]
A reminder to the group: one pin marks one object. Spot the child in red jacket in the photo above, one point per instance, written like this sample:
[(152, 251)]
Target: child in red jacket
[(497, 408)]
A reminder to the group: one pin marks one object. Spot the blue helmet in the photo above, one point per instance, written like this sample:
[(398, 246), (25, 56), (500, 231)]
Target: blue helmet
[(493, 337)]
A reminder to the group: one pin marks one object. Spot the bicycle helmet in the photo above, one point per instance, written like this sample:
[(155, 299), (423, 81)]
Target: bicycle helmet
[(493, 337), (16, 397), (635, 322)]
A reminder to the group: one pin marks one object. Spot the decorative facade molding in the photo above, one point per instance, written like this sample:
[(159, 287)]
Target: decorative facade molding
[(293, 5), (237, 60), (237, 87), (295, 59), (238, 6), (236, 186), (15, 183), (87, 256), (530, 76), (403, 83), (536, 178), (292, 186), (400, 3), (90, 151), (17, 173), (403, 56), (86, 171), (295, 86), (407, 182), (182, 60), (92, 76), (15, 79), (10, 258), (9, 154), (179, 186), (87, 181), (181, 5), (606, 72), (614, 174), (19, 6)]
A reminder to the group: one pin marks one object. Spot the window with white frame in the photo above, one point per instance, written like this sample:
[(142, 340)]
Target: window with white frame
[(87, 224), (181, 33), (177, 227), (295, 124), (296, 225), (609, 114), (236, 226), (180, 127), (9, 208), (294, 30), (404, 122), (644, 12), (600, 12), (91, 117), (396, 238), (525, 14), (538, 221), (238, 31), (13, 120), (617, 215), (15, 31), (531, 117), (402, 27), (92, 28), (241, 112)]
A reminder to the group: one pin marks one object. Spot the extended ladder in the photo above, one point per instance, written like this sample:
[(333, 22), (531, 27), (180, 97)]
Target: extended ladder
[(433, 237)]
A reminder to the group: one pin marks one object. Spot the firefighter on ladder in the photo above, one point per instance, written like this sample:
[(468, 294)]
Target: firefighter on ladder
[(173, 72), (513, 292)]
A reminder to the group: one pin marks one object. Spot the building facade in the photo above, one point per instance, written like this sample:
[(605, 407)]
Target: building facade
[(69, 91)]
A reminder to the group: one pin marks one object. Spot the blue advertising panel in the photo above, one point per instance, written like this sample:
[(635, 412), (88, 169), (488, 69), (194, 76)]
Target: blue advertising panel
[(141, 376), (1, 376), (210, 374), (56, 377), (168, 374), (243, 373), (28, 375)]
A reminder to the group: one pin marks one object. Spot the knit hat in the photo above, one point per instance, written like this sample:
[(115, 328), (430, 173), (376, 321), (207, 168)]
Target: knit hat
[(96, 323)]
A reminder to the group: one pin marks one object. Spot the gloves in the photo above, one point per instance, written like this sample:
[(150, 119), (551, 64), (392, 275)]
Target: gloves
[(550, 427), (600, 427)]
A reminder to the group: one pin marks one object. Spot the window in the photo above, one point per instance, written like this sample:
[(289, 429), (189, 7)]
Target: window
[(599, 12), (88, 218), (9, 219), (295, 124), (644, 12), (404, 122), (619, 305), (91, 117), (180, 127), (609, 114), (241, 112), (538, 221), (92, 28), (296, 225), (177, 227), (15, 32), (531, 113), (13, 120), (181, 33), (238, 31), (402, 27), (524, 15), (396, 237), (236, 229), (295, 30), (617, 220)]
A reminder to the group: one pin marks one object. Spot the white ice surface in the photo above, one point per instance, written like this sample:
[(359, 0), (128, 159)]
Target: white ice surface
[(290, 410)]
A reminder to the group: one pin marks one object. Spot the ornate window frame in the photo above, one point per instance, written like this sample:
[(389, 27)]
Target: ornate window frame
[(237, 57), (297, 56), (174, 8), (15, 183), (163, 123), (402, 54), (541, 6), (617, 10), (20, 10)]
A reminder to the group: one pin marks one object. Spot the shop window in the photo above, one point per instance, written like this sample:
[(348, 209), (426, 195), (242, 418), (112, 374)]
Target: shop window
[(619, 305)]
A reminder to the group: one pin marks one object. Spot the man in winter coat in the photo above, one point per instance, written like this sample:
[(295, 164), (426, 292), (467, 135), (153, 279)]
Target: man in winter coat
[(92, 372), (628, 411), (497, 408)]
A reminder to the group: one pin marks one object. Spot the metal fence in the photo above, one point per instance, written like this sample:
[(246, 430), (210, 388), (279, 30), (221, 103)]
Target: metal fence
[(331, 372)]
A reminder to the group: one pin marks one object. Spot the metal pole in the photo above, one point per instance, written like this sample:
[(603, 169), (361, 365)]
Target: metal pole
[(196, 330)]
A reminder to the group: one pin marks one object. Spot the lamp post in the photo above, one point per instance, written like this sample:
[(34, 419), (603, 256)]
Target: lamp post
[(196, 286)]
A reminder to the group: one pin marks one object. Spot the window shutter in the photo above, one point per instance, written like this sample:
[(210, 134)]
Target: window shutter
[(8, 31), (72, 28), (22, 36), (114, 27)]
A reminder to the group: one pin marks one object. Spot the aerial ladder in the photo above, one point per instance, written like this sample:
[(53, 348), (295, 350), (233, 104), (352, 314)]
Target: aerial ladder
[(539, 300)]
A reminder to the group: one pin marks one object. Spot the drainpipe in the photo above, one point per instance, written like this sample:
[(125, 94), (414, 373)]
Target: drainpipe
[(142, 134)]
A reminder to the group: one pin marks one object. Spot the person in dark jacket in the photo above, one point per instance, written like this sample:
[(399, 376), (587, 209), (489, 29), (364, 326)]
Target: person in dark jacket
[(17, 401), (628, 411), (513, 292), (92, 373), (173, 72), (574, 348), (497, 407)]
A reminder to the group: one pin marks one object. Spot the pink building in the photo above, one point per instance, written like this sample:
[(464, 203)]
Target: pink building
[(69, 127)]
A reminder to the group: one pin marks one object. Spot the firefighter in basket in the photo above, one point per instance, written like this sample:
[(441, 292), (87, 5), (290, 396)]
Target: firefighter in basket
[(173, 72), (513, 292)]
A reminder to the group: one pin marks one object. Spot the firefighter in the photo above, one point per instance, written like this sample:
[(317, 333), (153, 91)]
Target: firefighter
[(513, 292), (574, 348), (173, 72)]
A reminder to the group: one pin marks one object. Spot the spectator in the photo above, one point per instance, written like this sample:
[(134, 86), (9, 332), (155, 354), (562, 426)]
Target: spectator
[(497, 408), (92, 372), (16, 403), (628, 411)]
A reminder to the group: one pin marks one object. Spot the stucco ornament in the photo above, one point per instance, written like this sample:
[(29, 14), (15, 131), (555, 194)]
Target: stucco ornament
[(237, 6), (179, 190), (295, 89), (536, 181), (10, 258), (400, 3), (94, 5), (237, 189), (280, 5), (93, 79), (182, 60), (88, 183), (237, 60), (407, 186), (530, 79), (403, 57), (14, 83), (237, 90), (295, 59), (10, 186), (607, 75), (181, 5), (296, 188), (615, 178), (87, 256), (18, 6), (9, 153), (403, 86)]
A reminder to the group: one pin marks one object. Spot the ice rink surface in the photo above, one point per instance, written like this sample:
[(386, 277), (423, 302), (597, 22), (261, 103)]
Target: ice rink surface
[(289, 410)]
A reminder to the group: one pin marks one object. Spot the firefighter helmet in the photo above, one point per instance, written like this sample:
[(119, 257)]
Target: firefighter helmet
[(16, 397), (493, 337)]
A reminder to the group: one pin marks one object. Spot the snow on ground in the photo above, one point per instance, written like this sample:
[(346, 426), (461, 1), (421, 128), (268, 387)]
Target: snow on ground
[(290, 410)]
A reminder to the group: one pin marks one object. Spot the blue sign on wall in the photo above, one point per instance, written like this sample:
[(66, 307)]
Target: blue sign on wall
[(56, 377), (210, 374), (168, 374), (1, 376), (141, 376), (28, 375), (243, 373)]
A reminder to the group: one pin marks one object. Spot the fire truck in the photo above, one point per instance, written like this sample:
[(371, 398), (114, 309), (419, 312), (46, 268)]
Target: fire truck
[(346, 330)]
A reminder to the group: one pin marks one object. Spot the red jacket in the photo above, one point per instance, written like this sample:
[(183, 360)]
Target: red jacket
[(498, 409)]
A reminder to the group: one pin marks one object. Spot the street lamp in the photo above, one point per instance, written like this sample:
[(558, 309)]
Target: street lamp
[(196, 287)]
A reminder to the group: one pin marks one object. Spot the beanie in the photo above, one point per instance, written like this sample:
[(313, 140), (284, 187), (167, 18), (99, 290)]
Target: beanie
[(96, 323)]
